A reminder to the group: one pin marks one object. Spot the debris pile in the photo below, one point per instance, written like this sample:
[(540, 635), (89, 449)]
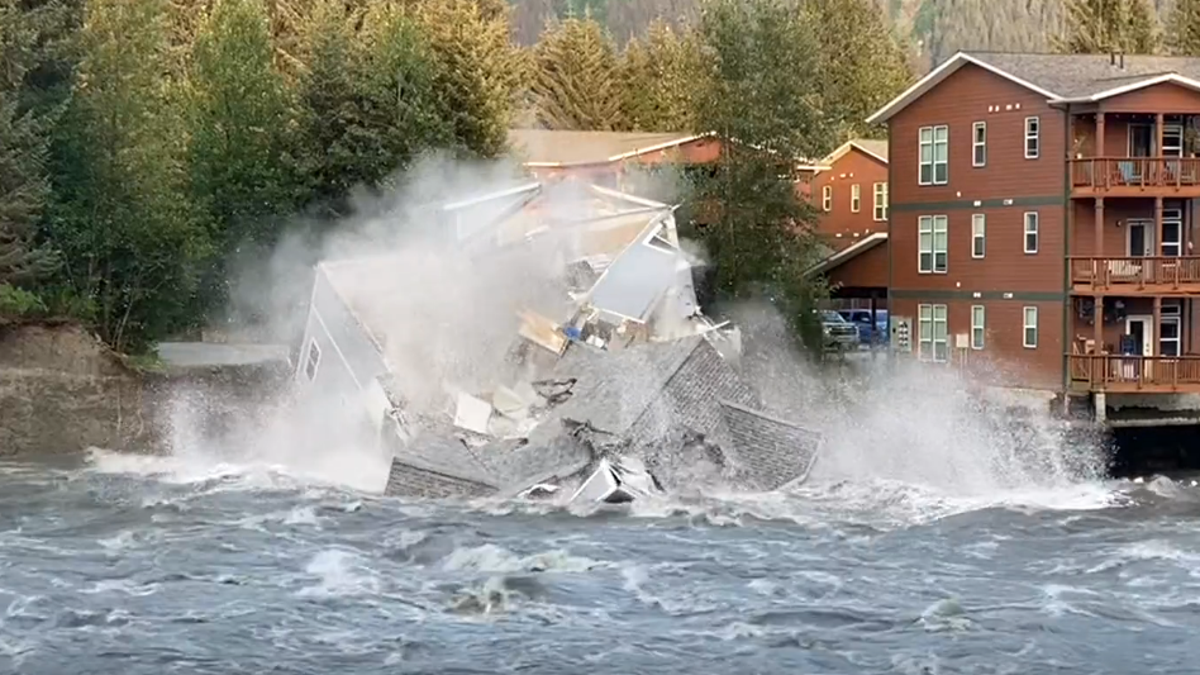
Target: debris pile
[(625, 390)]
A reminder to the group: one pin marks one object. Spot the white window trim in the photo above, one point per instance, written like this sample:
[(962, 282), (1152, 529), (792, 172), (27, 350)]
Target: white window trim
[(1178, 339), (827, 198), (933, 222), (1034, 136), (933, 163), (981, 326), (978, 145), (1026, 326), (879, 203), (930, 337), (1026, 231), (979, 234), (855, 198), (313, 350)]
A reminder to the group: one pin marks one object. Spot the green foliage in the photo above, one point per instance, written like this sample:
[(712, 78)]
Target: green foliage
[(763, 58), (576, 82), (17, 302), (1183, 28), (1104, 26), (120, 212), (660, 76), (862, 65)]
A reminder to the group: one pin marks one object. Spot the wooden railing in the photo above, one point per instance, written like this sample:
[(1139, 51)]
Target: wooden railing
[(1135, 272), (1103, 173), (1131, 373)]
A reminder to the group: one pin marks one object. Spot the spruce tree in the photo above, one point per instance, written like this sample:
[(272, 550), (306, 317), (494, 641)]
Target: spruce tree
[(1183, 28), (1105, 26), (660, 75), (576, 81)]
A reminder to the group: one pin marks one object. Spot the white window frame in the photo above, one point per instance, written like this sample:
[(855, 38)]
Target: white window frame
[(855, 198), (978, 236), (979, 144), (1172, 313), (312, 360), (880, 203), (1029, 322), (1033, 140), (932, 138), (978, 326), (933, 226), (827, 198), (1030, 228), (929, 318)]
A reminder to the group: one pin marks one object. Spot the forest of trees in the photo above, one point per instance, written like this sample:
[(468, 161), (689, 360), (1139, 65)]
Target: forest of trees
[(148, 145)]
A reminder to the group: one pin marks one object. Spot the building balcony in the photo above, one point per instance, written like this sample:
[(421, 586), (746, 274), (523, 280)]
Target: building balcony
[(1135, 374), (1164, 275), (1136, 177)]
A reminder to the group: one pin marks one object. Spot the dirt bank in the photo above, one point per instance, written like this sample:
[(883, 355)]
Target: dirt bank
[(62, 390)]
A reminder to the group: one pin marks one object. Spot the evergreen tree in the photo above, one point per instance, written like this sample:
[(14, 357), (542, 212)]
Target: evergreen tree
[(478, 70), (862, 65), (576, 82), (120, 212), (760, 101), (1183, 28), (660, 75), (1104, 26), (24, 184)]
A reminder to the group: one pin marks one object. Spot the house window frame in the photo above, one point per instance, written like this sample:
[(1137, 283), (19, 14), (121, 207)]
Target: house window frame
[(978, 328), (979, 144), (928, 137), (1027, 327), (1033, 140), (312, 365), (1027, 232), (879, 202), (1171, 314), (929, 317), (929, 225), (855, 198), (978, 236), (826, 198)]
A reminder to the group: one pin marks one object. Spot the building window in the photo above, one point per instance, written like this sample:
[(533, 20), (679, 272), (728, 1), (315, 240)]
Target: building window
[(978, 235), (977, 318), (1168, 331), (1031, 231), (827, 198), (1032, 140), (881, 201), (979, 144), (313, 361), (855, 198), (931, 245), (934, 155), (931, 333), (1031, 328)]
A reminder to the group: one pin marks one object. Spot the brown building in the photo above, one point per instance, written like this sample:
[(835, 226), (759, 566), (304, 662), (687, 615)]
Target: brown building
[(850, 190), (1029, 190)]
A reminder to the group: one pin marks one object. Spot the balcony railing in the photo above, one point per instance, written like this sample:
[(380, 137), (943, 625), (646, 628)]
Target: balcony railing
[(1106, 173), (1129, 273), (1110, 372)]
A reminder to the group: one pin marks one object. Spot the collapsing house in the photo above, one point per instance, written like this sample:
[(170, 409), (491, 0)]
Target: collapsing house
[(599, 373)]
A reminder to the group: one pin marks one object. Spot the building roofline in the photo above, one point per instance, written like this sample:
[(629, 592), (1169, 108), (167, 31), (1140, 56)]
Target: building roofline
[(827, 162), (935, 77), (847, 254), (1149, 81), (629, 154)]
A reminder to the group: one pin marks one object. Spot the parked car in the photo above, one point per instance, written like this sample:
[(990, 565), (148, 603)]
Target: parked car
[(868, 333), (839, 333)]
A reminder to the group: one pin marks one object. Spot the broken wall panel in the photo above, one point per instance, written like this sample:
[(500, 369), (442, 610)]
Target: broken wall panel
[(633, 284)]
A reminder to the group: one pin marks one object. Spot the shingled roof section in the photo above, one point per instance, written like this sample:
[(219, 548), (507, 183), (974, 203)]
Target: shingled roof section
[(1079, 75)]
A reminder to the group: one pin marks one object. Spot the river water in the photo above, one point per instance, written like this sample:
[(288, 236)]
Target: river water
[(125, 565)]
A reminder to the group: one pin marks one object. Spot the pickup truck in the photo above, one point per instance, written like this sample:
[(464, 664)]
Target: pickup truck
[(868, 334), (839, 333)]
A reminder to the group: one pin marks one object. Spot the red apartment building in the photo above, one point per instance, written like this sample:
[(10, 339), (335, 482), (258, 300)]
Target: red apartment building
[(605, 157), (850, 189), (1042, 220)]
